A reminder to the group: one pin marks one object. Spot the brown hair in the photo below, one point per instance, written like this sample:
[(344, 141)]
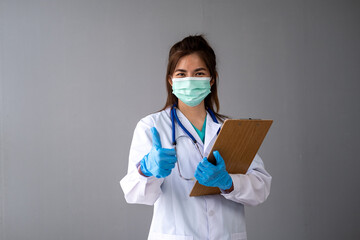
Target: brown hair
[(189, 45)]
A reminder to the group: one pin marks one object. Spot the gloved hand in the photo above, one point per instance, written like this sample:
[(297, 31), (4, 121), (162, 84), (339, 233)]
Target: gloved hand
[(159, 161), (213, 176)]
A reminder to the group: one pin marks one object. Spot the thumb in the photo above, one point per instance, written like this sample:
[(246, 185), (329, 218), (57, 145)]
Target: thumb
[(218, 157), (155, 138)]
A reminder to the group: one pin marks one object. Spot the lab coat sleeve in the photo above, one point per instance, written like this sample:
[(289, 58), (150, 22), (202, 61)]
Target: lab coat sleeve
[(137, 188), (253, 187)]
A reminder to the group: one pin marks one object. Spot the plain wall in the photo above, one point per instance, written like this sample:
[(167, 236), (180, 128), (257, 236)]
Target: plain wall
[(77, 75)]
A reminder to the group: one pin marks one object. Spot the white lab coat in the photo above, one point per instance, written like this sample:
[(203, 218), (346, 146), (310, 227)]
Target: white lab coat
[(176, 215)]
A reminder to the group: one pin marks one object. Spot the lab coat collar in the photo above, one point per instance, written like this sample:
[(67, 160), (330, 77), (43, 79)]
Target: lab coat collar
[(178, 130), (211, 131)]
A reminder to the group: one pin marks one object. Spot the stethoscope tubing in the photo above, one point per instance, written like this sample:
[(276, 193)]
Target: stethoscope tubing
[(174, 117)]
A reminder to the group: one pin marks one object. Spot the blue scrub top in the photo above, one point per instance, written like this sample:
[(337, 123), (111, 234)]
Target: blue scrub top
[(202, 132)]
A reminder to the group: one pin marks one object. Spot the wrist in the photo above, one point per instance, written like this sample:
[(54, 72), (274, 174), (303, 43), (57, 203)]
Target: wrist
[(227, 185), (140, 172), (143, 170), (227, 191)]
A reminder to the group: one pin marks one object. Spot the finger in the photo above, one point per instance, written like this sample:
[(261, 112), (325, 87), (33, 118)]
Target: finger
[(201, 168), (167, 173), (163, 173), (202, 180), (168, 151), (172, 159), (156, 138), (218, 157), (205, 161), (168, 158), (208, 165), (167, 165), (199, 175), (205, 172), (199, 178)]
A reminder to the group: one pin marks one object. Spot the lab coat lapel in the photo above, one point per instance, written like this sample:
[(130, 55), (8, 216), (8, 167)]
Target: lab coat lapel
[(210, 133)]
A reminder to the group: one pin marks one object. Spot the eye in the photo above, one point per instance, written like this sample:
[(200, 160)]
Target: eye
[(180, 74), (200, 74)]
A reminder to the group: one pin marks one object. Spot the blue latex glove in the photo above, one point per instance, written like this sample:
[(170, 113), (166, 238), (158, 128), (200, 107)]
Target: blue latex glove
[(159, 161), (213, 176)]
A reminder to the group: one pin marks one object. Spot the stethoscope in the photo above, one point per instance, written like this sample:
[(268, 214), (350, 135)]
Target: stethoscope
[(174, 117)]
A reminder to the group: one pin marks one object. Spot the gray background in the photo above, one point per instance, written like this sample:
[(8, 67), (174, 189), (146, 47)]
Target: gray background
[(76, 77)]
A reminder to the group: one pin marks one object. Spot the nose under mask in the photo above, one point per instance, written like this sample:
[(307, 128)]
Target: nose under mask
[(191, 90)]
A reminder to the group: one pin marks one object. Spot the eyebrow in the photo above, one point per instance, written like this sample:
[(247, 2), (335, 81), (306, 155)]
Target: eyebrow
[(196, 70), (200, 69)]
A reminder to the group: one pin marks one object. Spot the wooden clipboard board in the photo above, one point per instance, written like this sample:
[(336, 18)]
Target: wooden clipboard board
[(238, 142)]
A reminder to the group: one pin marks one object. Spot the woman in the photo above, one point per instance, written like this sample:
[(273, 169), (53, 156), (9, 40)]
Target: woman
[(167, 156)]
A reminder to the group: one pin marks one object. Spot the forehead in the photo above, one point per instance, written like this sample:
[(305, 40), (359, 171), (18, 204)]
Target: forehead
[(190, 61)]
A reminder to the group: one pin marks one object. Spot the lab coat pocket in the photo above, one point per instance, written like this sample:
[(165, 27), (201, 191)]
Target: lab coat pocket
[(160, 236), (238, 236)]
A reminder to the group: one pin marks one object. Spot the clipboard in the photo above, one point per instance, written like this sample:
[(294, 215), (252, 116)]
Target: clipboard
[(238, 142)]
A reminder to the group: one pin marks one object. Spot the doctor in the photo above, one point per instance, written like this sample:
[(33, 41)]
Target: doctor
[(168, 153)]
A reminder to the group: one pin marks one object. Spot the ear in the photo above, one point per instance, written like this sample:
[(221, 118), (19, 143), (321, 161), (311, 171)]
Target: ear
[(212, 81), (170, 80)]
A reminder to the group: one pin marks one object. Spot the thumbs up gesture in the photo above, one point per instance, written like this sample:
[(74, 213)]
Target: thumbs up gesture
[(159, 161)]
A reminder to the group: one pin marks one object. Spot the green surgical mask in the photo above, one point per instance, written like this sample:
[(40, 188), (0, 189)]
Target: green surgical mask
[(191, 90)]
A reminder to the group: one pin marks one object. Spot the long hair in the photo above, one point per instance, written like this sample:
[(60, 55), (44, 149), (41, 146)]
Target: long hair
[(189, 45)]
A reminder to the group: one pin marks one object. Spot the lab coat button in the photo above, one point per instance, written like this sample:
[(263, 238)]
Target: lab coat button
[(211, 213)]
